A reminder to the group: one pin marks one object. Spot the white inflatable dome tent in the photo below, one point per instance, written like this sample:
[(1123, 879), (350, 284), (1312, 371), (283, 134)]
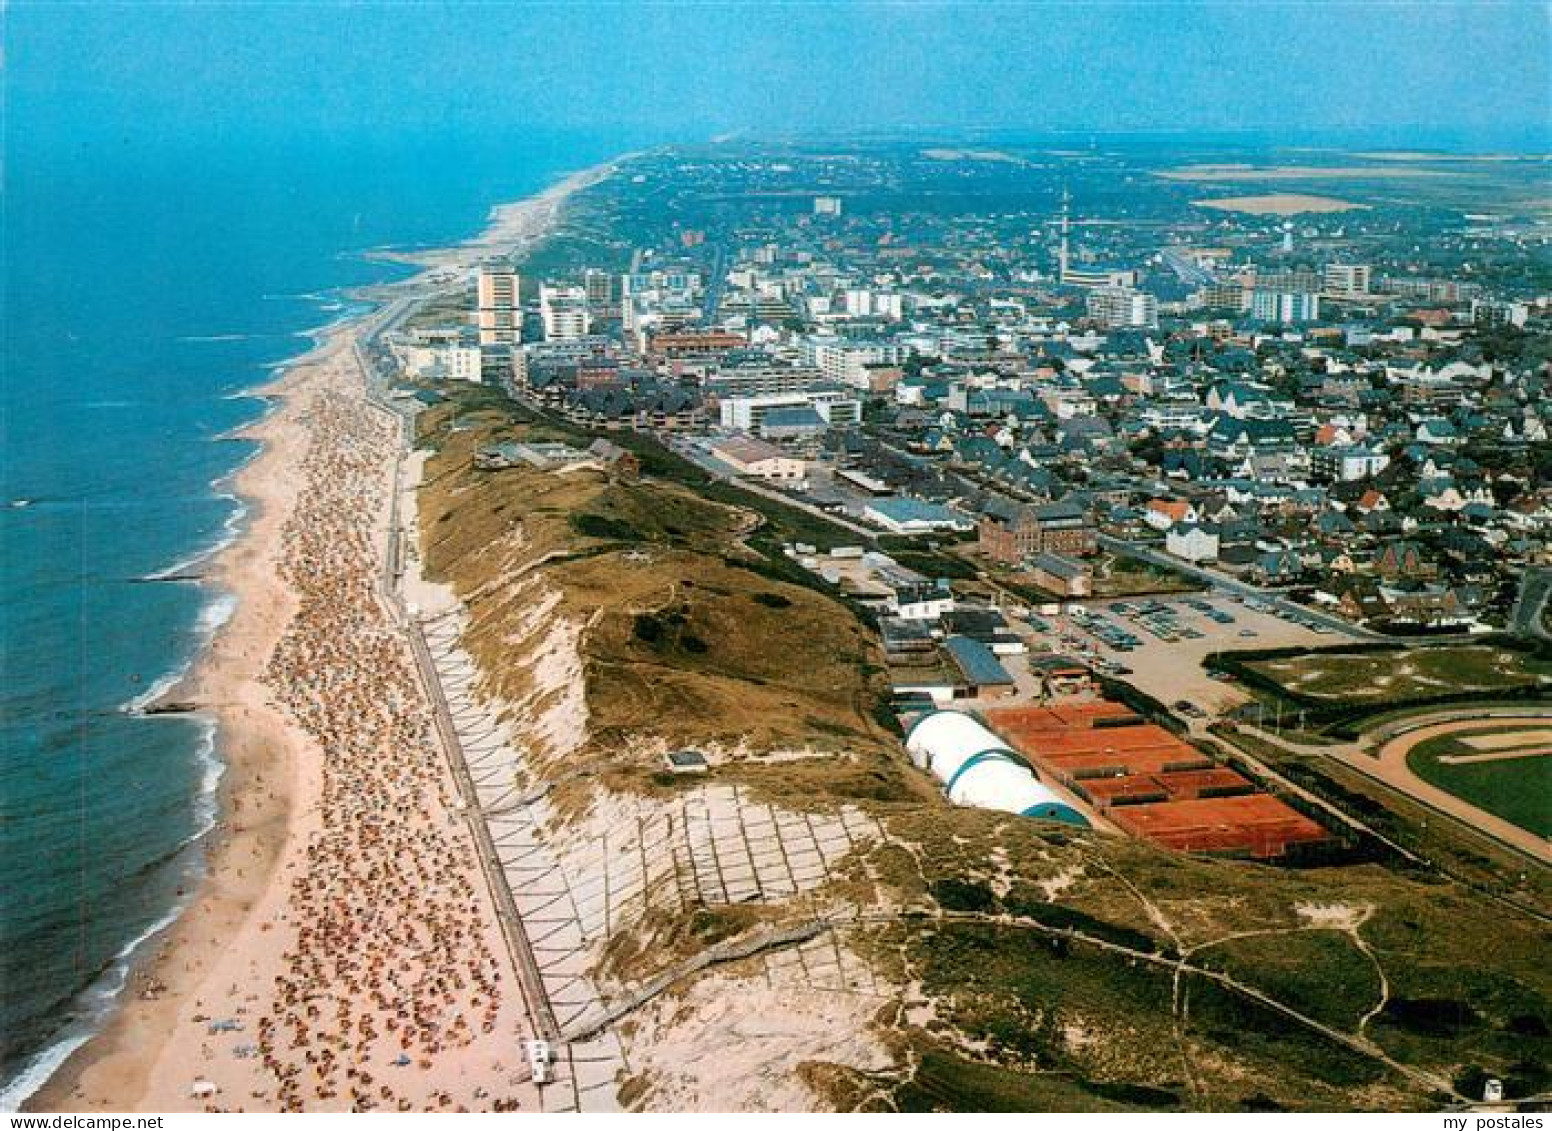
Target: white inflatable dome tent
[(977, 768)]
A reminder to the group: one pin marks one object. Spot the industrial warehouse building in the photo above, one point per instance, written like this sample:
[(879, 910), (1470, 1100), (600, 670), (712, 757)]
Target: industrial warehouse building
[(977, 768), (761, 460)]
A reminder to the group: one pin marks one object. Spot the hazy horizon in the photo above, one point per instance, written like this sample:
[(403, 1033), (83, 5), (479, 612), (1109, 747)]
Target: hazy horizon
[(1458, 72)]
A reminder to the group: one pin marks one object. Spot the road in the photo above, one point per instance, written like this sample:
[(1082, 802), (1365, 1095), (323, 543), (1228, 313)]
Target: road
[(1529, 616), (722, 473)]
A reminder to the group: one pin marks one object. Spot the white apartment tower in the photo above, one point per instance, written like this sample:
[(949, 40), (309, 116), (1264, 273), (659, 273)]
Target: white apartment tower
[(499, 312), (563, 310), (1123, 308)]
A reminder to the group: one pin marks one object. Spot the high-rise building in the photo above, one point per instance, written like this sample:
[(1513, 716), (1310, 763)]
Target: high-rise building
[(1123, 308), (499, 313), (1347, 280), (1302, 279), (1284, 307), (599, 287), (1224, 295), (847, 360), (563, 310)]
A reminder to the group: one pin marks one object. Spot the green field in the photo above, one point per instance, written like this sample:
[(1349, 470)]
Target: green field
[(1394, 677), (1516, 789)]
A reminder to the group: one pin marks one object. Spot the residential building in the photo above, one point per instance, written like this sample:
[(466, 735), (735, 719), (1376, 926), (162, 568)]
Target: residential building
[(564, 312), (1011, 533), (1122, 308), (1346, 280), (838, 407), (848, 362), (499, 314), (1348, 463), (1286, 308), (1192, 542)]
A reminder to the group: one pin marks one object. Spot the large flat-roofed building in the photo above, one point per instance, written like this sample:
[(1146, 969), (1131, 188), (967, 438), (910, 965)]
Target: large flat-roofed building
[(1346, 280), (1011, 532), (741, 378), (759, 459), (1284, 307), (849, 362), (838, 407), (564, 312), (445, 355), (681, 344), (913, 516), (1118, 308)]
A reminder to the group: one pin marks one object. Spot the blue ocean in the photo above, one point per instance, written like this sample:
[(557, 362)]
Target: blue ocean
[(147, 286)]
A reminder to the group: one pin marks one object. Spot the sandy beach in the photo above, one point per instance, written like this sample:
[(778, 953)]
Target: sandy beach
[(343, 950)]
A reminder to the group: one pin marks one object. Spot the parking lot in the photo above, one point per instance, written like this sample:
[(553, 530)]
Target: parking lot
[(1158, 644)]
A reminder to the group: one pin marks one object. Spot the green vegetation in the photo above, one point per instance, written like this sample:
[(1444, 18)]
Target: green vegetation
[(1044, 958), (1397, 676), (1342, 691), (682, 595), (1518, 789), (945, 1082), (1011, 976), (1453, 847), (936, 565), (1323, 971), (1123, 576)]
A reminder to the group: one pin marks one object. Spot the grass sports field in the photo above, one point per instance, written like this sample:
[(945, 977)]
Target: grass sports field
[(1504, 769), (1379, 677)]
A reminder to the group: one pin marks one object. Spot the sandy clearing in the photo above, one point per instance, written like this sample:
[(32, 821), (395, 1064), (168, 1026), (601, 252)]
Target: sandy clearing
[(1280, 204), (1493, 756), (1507, 740)]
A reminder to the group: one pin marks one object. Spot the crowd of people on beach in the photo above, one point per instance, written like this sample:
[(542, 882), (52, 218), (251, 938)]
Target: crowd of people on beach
[(390, 968)]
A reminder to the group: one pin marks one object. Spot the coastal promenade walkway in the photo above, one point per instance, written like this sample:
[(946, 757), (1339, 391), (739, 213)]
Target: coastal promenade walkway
[(583, 1074)]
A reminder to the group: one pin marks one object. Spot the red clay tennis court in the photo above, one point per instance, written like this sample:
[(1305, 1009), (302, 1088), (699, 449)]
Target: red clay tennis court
[(1151, 783), (1255, 825)]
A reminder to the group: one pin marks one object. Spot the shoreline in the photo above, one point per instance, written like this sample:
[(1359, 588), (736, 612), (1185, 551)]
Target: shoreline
[(269, 768)]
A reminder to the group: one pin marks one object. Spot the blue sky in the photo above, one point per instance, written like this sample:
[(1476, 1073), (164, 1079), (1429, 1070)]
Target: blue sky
[(693, 69)]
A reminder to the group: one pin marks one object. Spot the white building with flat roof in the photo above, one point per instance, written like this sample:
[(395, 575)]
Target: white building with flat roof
[(760, 460), (846, 361), (837, 407), (563, 310), (1118, 308), (1346, 280)]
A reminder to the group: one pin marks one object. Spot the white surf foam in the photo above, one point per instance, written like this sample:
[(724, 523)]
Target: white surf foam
[(231, 530), (94, 1004)]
